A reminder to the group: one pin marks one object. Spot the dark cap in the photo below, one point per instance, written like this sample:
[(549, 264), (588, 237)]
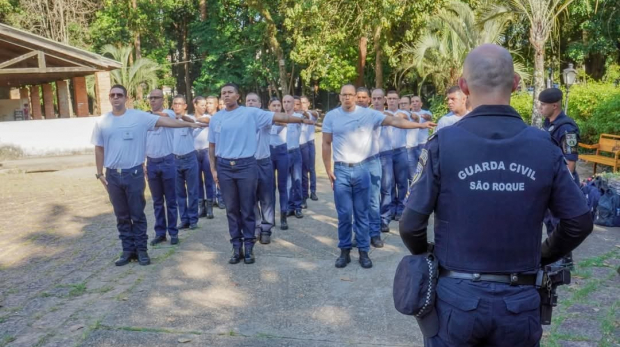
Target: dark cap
[(551, 95), (415, 288)]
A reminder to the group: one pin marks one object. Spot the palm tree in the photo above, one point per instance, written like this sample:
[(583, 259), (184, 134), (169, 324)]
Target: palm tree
[(440, 51), (137, 76), (542, 17)]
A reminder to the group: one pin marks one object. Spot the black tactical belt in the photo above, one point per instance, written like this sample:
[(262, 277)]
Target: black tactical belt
[(512, 279)]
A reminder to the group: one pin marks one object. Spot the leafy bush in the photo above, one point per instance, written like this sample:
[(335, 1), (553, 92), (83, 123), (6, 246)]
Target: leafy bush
[(596, 109), (438, 106), (522, 103)]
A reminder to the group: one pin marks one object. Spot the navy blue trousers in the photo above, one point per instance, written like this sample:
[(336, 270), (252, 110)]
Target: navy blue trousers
[(162, 173), (187, 187), (265, 209), (387, 182), (126, 191), (238, 180), (294, 180), (401, 172), (206, 185), (308, 172), (486, 314), (279, 159)]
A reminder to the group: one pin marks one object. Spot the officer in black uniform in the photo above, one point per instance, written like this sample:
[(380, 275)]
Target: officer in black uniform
[(489, 203)]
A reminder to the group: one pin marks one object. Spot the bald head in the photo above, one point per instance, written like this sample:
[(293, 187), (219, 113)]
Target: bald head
[(489, 71)]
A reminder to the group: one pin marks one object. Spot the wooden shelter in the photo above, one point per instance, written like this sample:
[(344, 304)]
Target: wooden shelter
[(31, 62)]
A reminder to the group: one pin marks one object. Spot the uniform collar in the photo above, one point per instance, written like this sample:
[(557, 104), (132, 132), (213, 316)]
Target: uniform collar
[(493, 110)]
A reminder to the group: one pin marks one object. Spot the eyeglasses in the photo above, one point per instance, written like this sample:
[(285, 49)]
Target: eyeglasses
[(117, 95), (154, 97)]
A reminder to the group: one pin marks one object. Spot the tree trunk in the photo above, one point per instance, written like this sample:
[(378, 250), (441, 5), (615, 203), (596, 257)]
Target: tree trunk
[(274, 44), (188, 82), (539, 79), (361, 60), (136, 37), (378, 58), (203, 10)]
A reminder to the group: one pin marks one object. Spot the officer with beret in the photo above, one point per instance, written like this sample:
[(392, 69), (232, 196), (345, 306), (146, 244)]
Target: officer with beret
[(489, 203), (561, 127)]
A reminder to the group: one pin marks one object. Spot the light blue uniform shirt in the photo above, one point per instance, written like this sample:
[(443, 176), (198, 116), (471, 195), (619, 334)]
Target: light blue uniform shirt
[(411, 134), (183, 140), (423, 133), (447, 120), (307, 131), (278, 135), (123, 138), (399, 136), (234, 132), (352, 132), (159, 140), (201, 136), (263, 138), (294, 133)]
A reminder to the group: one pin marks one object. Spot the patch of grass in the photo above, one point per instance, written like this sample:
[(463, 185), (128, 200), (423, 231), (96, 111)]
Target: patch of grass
[(266, 336), (582, 293), (45, 295), (6, 339), (597, 261), (609, 325), (77, 290), (103, 289), (9, 152), (149, 330)]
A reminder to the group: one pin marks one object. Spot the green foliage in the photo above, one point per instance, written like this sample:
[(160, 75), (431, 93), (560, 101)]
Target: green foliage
[(613, 74), (438, 106), (136, 76), (522, 103), (596, 109)]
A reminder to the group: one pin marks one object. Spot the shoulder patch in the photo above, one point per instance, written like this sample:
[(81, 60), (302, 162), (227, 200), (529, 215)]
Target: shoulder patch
[(420, 167), (571, 139)]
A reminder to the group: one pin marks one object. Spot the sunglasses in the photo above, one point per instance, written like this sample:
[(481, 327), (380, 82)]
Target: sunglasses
[(154, 97), (117, 95)]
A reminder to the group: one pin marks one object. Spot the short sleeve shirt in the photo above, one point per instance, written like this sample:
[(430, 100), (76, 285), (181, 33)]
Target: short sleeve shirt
[(352, 132), (123, 138), (159, 140), (399, 136), (423, 133), (183, 140), (201, 136), (234, 132), (294, 133), (566, 135)]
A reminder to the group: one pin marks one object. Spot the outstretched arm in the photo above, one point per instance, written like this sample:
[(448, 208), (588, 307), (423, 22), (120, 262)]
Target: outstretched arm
[(280, 117), (398, 122), (173, 123)]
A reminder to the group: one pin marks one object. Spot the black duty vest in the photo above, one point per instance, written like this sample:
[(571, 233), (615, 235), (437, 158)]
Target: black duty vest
[(493, 197)]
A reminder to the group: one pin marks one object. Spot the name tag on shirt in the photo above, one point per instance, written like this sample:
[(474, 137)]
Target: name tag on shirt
[(127, 135), (218, 128)]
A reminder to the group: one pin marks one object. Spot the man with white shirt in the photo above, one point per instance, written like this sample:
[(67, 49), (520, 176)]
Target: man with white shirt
[(186, 163), (308, 153), (294, 159), (457, 104), (120, 146), (348, 133), (412, 137), (425, 116), (206, 186), (265, 207), (399, 157), (162, 173)]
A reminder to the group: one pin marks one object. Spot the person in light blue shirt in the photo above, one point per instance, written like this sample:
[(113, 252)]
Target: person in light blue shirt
[(233, 141), (457, 104), (425, 116), (384, 144), (279, 160), (265, 207), (161, 173), (399, 157), (308, 152), (120, 146), (186, 163), (294, 159), (206, 186), (348, 133)]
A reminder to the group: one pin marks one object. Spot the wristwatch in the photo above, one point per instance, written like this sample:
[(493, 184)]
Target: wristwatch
[(98, 175)]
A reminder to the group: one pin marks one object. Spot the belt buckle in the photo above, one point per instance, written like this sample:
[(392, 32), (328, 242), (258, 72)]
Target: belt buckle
[(233, 163), (119, 170), (514, 278), (476, 277)]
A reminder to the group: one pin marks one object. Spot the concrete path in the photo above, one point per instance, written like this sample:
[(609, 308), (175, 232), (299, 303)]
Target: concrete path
[(59, 286)]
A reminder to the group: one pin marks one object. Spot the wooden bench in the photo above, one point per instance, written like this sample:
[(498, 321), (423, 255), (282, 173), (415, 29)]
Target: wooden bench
[(607, 143)]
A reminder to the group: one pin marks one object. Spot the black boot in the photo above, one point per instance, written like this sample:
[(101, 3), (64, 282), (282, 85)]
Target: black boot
[(283, 223), (344, 258), (313, 196), (201, 209), (209, 209), (304, 205), (143, 258), (125, 258), (236, 256), (376, 241), (365, 261), (249, 255)]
